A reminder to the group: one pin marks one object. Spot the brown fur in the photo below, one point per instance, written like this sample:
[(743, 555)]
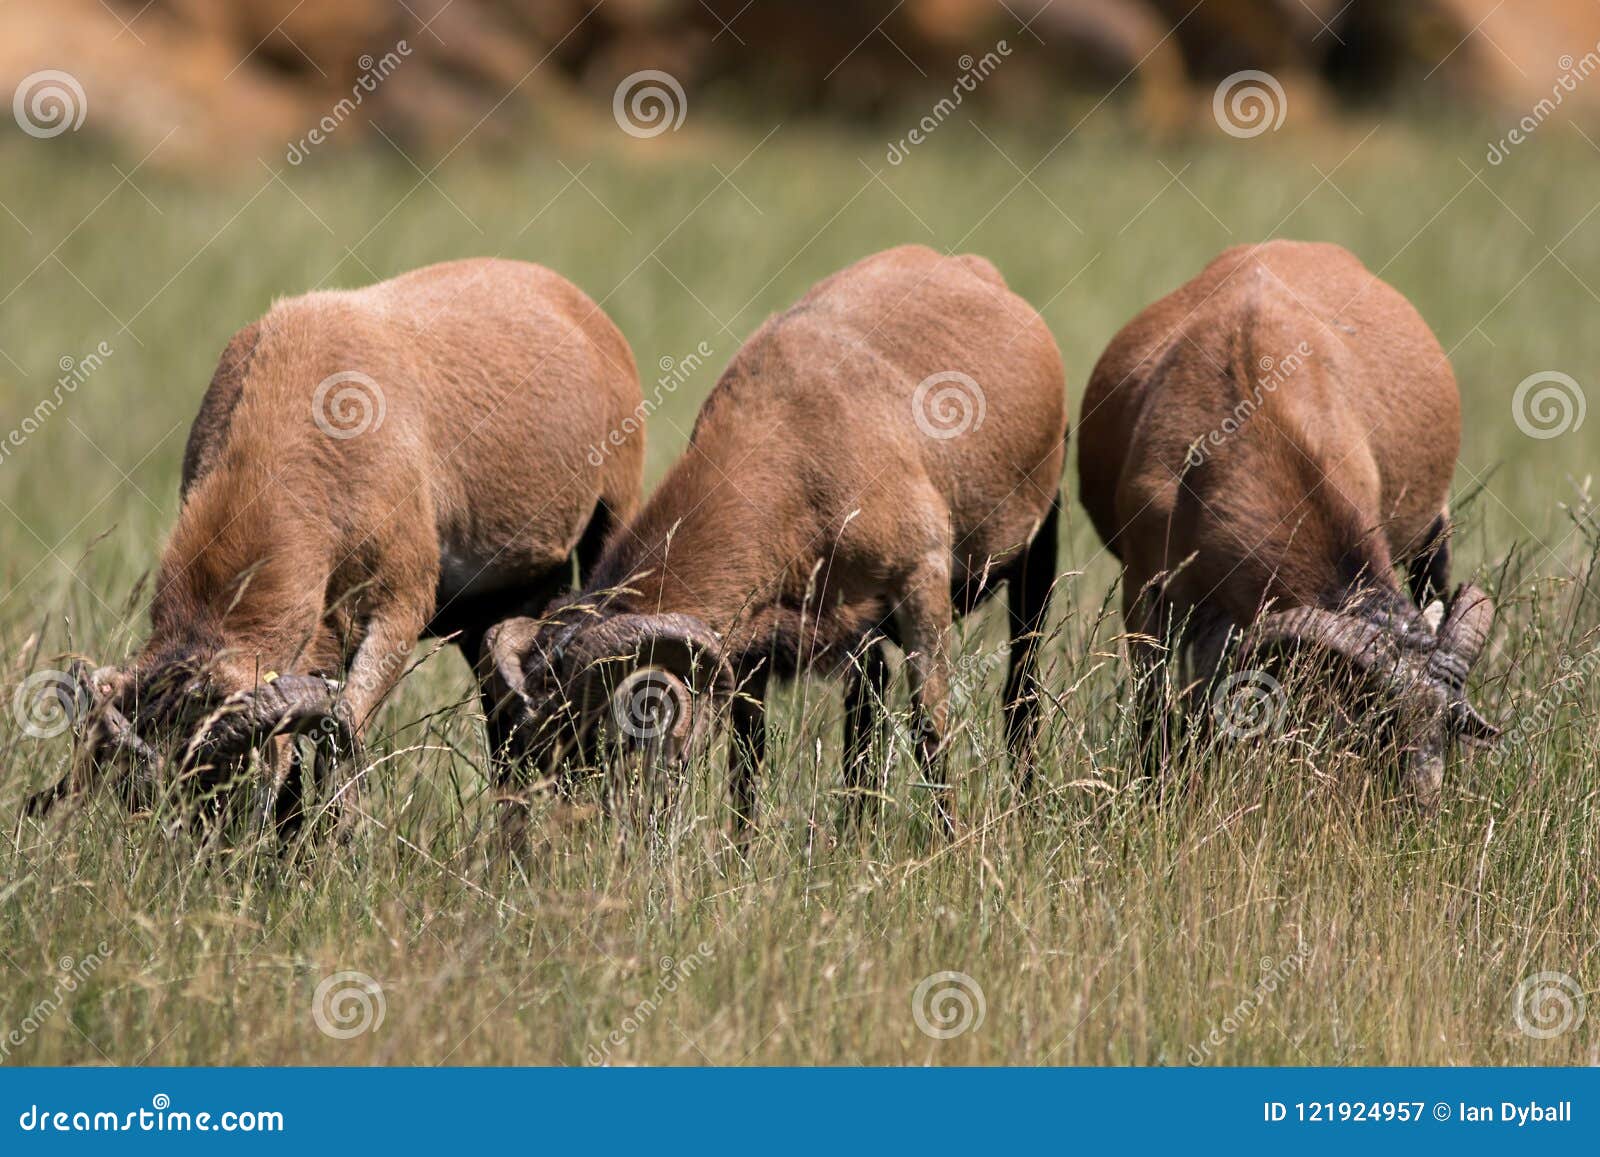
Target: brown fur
[(296, 551), (1339, 473), (810, 515)]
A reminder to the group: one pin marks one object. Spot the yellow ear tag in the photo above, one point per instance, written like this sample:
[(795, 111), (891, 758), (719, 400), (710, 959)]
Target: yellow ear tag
[(269, 676)]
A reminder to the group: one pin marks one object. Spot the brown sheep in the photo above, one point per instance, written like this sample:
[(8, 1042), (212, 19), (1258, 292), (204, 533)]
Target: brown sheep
[(1261, 449), (367, 467), (873, 462)]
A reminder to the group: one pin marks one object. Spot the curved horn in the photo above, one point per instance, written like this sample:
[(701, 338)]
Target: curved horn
[(1465, 631), (508, 648), (98, 685), (1466, 723), (1430, 678), (101, 732), (510, 663), (1462, 638), (523, 651), (289, 705), (681, 644), (1388, 657), (652, 668), (119, 730), (1364, 644)]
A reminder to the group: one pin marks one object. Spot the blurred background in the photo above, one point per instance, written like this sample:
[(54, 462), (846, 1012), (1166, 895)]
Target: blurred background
[(243, 76)]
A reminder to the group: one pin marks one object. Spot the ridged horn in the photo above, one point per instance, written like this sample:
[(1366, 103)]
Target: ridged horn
[(653, 670), (289, 705), (1465, 630), (1462, 638)]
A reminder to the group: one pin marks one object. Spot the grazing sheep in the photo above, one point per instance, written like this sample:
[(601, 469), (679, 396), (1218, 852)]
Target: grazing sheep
[(367, 467), (1261, 449), (873, 462)]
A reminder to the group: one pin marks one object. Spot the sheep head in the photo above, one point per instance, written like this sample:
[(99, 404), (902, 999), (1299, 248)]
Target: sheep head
[(648, 682), (142, 722), (1417, 671)]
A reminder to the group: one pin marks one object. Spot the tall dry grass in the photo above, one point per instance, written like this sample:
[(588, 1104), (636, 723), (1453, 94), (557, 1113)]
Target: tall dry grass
[(1283, 912)]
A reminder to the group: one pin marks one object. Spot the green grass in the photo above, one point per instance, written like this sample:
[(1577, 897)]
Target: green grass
[(1099, 928)]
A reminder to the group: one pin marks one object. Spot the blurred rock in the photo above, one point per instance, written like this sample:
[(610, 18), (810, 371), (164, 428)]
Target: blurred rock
[(1525, 48), (217, 83)]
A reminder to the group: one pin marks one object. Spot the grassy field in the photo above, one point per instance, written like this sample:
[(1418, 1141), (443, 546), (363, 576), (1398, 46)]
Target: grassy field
[(1284, 914)]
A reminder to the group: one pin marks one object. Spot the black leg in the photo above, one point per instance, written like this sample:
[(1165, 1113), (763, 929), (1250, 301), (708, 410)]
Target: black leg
[(499, 723), (746, 753), (1149, 647), (866, 726), (289, 805), (1429, 568), (593, 540), (1155, 722), (41, 802), (1028, 597)]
